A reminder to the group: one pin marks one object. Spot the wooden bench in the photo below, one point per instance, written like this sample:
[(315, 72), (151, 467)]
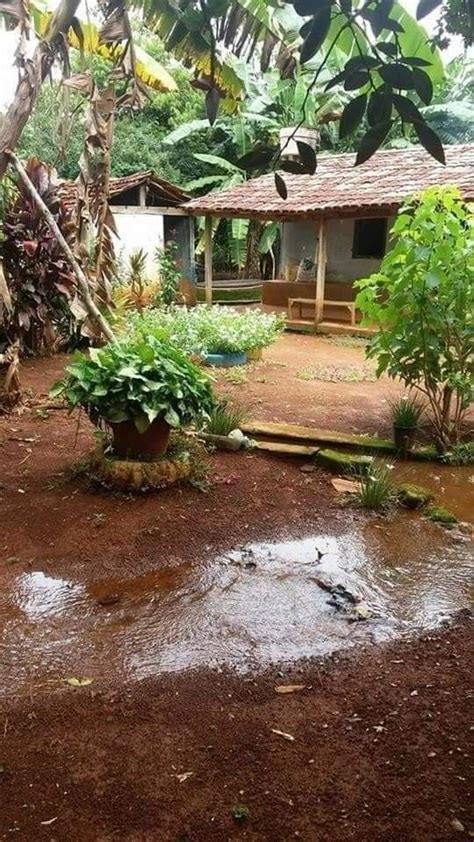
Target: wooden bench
[(310, 302), (350, 306), (300, 302)]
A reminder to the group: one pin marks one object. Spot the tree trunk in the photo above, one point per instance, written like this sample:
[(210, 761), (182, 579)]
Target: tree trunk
[(252, 262), (29, 85)]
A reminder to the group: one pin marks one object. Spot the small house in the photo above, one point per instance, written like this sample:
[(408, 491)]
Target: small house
[(334, 225), (148, 213)]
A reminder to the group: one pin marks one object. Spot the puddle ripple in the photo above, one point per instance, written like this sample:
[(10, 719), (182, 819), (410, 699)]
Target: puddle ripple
[(253, 606)]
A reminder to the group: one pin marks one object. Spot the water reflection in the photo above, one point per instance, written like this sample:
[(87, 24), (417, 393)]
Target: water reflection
[(254, 605)]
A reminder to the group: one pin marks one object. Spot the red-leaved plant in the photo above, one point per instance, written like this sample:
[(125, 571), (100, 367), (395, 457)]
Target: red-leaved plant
[(38, 275)]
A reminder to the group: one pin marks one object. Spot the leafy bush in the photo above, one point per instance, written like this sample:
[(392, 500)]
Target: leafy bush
[(224, 418), (422, 303), (407, 411), (38, 275), (460, 454), (137, 381), (205, 330), (376, 487)]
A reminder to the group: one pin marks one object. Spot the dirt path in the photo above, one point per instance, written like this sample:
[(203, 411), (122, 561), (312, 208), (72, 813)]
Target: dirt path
[(379, 753)]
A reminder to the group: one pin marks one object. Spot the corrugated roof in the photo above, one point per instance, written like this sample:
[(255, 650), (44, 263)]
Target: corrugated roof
[(339, 189), (169, 193)]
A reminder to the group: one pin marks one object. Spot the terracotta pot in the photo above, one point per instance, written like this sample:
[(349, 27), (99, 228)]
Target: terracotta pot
[(128, 442), (404, 438)]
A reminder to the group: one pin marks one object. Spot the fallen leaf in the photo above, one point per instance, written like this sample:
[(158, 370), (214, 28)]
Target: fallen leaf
[(346, 486), (289, 688), (50, 821), (78, 682), (184, 776), (283, 734)]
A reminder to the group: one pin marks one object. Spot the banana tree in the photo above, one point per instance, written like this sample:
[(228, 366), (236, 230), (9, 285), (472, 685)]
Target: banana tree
[(230, 176)]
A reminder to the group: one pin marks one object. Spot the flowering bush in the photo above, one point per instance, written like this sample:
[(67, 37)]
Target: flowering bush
[(206, 330)]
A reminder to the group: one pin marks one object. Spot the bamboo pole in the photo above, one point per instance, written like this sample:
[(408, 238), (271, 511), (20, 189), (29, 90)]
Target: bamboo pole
[(82, 282), (208, 259), (321, 272)]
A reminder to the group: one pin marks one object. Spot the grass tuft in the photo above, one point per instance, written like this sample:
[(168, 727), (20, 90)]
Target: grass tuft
[(376, 486), (224, 418)]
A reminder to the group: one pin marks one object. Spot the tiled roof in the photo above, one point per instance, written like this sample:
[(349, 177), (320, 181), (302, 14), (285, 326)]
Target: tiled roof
[(340, 189), (168, 193)]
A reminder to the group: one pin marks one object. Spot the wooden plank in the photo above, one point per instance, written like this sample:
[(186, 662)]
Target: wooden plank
[(208, 259), (149, 211), (293, 432), (321, 272), (287, 449)]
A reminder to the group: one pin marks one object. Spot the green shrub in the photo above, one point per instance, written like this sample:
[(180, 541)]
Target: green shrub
[(422, 303), (460, 454), (137, 381), (205, 330)]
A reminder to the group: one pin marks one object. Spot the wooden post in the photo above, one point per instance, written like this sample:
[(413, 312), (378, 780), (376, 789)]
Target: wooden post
[(81, 279), (320, 272), (208, 259)]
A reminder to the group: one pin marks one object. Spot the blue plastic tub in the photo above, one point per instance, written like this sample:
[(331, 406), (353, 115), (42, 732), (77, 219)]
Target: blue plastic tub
[(225, 360)]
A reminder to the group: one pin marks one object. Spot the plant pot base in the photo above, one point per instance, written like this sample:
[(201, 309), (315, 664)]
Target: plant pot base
[(132, 475), (404, 439), (128, 443)]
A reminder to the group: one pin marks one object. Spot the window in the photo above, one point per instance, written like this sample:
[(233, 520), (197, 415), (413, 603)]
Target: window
[(369, 238)]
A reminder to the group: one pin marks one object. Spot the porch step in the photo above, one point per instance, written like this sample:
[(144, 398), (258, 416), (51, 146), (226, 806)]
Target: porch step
[(340, 327), (287, 449), (315, 436), (301, 325)]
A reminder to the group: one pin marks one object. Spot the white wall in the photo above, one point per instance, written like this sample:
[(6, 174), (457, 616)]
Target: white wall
[(139, 230), (298, 240), (341, 266)]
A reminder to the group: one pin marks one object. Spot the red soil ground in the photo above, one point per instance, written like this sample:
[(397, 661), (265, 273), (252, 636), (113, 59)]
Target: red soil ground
[(381, 736)]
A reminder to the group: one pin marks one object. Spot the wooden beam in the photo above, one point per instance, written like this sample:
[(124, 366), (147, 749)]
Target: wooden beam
[(142, 195), (149, 211), (320, 271), (208, 259)]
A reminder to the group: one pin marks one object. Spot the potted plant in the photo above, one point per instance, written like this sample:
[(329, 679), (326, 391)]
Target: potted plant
[(406, 414), (140, 391)]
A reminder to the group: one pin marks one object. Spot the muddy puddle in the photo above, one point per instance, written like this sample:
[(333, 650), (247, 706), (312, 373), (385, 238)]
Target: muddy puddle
[(247, 608)]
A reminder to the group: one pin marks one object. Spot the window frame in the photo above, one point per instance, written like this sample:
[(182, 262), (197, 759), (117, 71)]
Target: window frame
[(356, 255)]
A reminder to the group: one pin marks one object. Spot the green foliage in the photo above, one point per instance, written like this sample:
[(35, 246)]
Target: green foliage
[(170, 276), (460, 454), (206, 330), (376, 487), (224, 418), (422, 303), (407, 411), (137, 381)]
